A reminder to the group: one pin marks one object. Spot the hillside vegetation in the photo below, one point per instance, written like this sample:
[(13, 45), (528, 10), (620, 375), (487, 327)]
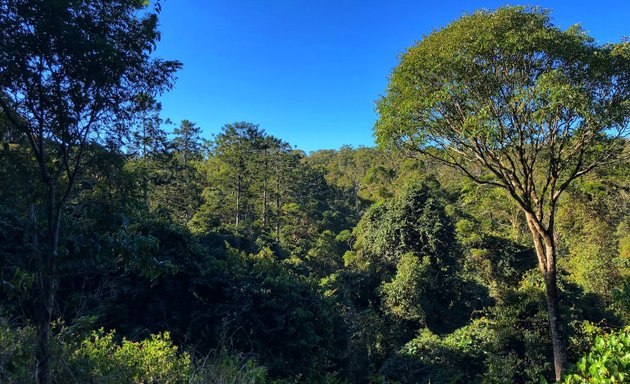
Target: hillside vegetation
[(134, 254)]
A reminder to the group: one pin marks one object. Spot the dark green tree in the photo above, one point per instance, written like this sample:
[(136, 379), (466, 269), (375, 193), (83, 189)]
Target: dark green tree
[(71, 75), (187, 143), (236, 147), (178, 187)]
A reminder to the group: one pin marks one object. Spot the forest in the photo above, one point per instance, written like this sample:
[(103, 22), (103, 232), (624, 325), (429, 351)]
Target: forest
[(484, 239)]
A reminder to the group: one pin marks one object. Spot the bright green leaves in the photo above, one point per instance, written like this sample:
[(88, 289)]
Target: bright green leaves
[(409, 243), (444, 81), (414, 222), (405, 294), (607, 362), (557, 97), (149, 361), (107, 358), (501, 88)]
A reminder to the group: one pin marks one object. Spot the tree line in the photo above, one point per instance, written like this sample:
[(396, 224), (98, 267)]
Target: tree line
[(485, 240)]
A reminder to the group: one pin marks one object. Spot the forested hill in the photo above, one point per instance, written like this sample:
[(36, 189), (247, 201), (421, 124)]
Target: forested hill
[(353, 262), (485, 240)]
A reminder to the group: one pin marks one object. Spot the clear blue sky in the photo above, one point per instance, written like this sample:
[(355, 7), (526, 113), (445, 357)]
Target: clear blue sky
[(309, 71)]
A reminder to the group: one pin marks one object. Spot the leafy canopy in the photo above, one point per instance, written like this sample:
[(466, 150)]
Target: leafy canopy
[(77, 72), (510, 100), (608, 361)]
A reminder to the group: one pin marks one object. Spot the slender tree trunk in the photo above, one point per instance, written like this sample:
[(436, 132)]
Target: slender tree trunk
[(357, 201), (264, 197), (264, 206), (553, 307), (555, 326), (46, 289), (278, 211), (144, 138), (544, 243), (43, 319), (238, 202)]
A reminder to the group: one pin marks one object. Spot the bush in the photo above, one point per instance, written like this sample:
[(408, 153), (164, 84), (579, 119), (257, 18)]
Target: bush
[(607, 362), (154, 360), (232, 368), (105, 358), (453, 358), (17, 351)]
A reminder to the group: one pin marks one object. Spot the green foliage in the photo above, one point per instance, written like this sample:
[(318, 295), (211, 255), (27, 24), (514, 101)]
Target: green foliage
[(284, 318), (154, 360), (405, 294), (17, 350), (454, 74), (228, 368), (103, 357), (496, 261), (95, 73), (519, 350), (355, 264), (414, 222), (595, 247), (410, 242), (608, 361), (428, 358), (408, 304), (506, 344), (512, 101)]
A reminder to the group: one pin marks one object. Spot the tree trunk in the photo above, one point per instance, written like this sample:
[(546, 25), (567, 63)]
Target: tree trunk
[(46, 289), (264, 207), (553, 307), (238, 202), (544, 243), (43, 319), (555, 325), (264, 199), (278, 210), (357, 201)]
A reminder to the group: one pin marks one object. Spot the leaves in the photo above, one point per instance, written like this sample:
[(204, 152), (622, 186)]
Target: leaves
[(608, 361)]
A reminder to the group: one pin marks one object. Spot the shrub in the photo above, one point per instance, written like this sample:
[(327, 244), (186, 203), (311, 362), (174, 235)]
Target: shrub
[(155, 360), (228, 368), (608, 361), (17, 352)]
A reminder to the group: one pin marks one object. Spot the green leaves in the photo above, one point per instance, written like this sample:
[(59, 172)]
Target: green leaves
[(504, 90), (607, 362), (154, 360), (406, 293), (512, 101)]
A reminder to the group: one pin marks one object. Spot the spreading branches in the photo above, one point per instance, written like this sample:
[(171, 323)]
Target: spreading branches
[(519, 105), (64, 90), (71, 76)]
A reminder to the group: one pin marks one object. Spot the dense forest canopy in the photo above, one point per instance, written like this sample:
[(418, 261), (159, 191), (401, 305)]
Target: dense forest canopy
[(520, 105), (132, 251)]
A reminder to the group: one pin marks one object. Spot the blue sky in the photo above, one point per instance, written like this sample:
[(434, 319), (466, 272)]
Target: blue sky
[(309, 72)]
